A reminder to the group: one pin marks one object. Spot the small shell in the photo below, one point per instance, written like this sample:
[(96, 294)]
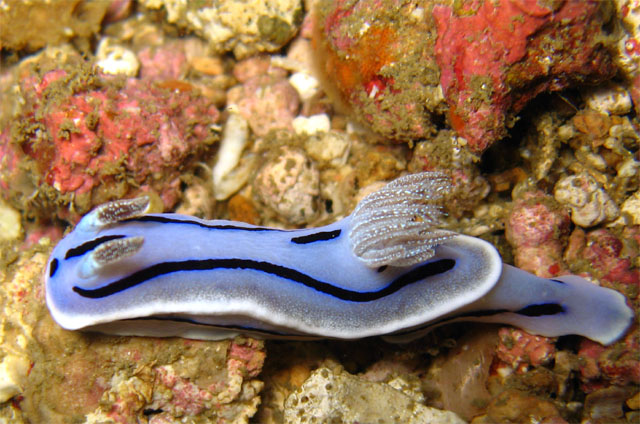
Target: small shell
[(612, 99), (590, 204)]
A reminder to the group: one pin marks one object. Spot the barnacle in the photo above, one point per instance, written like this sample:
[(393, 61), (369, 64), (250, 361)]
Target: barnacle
[(396, 224)]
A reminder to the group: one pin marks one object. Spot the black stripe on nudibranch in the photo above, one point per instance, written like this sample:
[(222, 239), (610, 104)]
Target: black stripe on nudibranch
[(239, 328), (53, 267), (320, 236), (90, 245), (541, 309), (168, 220), (421, 272), (529, 311)]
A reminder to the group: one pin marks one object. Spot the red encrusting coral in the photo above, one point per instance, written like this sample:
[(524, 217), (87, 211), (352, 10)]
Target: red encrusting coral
[(92, 138), (391, 62), (618, 364), (605, 255), (519, 350), (495, 56)]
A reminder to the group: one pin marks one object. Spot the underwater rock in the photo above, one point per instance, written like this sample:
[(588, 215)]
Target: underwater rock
[(328, 396), (395, 63), (589, 203), (244, 27), (457, 380), (83, 138), (628, 46), (610, 98), (378, 58), (519, 350), (535, 228), (496, 56), (288, 185), (614, 365), (267, 101), (165, 62), (515, 406), (35, 24), (608, 257)]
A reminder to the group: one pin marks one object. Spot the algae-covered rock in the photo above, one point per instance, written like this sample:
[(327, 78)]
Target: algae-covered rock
[(329, 396), (34, 24)]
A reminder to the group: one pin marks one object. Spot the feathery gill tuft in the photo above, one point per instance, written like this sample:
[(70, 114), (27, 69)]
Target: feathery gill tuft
[(396, 224)]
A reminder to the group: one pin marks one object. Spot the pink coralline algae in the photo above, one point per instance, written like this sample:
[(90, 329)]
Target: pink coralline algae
[(85, 139), (265, 98), (248, 357), (495, 56), (519, 350), (183, 396), (608, 257), (535, 229), (617, 364), (167, 62)]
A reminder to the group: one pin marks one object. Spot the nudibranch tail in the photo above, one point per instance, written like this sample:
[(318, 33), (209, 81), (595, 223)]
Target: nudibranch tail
[(114, 212), (395, 225), (548, 307)]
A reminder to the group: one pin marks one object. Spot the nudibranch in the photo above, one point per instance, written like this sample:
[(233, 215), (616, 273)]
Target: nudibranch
[(385, 270)]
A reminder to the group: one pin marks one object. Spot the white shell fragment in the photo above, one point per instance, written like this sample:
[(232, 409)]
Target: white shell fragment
[(612, 99), (229, 173), (13, 375), (10, 223), (115, 59), (590, 204), (306, 85), (312, 124)]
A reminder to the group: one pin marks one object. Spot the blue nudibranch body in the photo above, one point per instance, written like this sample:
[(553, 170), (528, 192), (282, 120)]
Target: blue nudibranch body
[(383, 270)]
